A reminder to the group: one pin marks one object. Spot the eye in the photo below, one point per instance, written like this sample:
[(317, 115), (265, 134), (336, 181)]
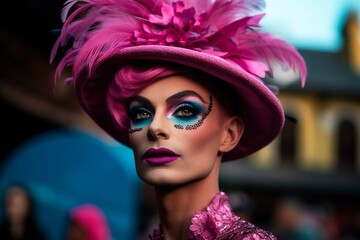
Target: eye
[(185, 110), (139, 114)]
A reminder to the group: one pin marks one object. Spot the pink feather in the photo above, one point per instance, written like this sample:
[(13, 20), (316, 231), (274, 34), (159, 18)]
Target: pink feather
[(225, 28)]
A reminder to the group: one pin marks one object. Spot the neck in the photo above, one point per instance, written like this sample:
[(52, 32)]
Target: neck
[(17, 230), (178, 204)]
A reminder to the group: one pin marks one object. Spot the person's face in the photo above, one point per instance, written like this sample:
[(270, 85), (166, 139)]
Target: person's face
[(17, 204), (176, 129)]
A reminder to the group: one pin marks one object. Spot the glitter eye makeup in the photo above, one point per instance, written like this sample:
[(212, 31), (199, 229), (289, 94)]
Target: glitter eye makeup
[(186, 112), (189, 114), (186, 109)]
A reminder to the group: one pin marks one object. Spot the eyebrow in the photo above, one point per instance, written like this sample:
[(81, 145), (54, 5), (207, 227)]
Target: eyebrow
[(172, 98), (142, 100), (183, 94)]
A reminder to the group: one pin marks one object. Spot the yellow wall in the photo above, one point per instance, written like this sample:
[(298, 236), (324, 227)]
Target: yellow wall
[(317, 127)]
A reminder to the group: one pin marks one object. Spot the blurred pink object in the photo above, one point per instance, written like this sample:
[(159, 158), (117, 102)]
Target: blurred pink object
[(92, 220)]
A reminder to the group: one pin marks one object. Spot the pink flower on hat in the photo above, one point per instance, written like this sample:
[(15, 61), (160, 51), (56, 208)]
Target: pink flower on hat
[(176, 26)]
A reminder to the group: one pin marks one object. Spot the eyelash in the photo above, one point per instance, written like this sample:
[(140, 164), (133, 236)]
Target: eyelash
[(181, 108), (191, 120), (179, 112), (135, 114)]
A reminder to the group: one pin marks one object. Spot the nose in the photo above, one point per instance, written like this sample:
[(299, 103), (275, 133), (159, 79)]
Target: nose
[(158, 128)]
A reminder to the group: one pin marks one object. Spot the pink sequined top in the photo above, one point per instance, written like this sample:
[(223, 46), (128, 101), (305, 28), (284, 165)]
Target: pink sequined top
[(218, 222)]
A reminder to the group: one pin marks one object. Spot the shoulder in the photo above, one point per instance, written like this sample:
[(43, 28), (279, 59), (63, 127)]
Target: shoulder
[(243, 230), (219, 222)]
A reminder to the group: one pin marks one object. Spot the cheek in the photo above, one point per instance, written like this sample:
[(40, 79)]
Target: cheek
[(135, 139), (203, 140), (206, 138)]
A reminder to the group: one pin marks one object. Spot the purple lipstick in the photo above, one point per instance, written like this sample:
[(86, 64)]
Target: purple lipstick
[(159, 156)]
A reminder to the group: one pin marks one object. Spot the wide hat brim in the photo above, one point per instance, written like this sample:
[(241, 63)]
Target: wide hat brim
[(260, 109)]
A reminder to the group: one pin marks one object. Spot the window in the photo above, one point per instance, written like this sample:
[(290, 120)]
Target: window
[(288, 143), (346, 146)]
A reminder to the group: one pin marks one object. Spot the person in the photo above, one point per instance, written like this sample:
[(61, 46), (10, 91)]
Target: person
[(19, 222), (87, 222), (292, 223), (182, 83)]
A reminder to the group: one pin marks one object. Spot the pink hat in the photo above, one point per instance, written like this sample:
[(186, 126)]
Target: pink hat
[(219, 37), (92, 220)]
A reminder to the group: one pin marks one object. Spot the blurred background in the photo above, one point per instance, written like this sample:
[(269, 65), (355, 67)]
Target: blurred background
[(304, 185)]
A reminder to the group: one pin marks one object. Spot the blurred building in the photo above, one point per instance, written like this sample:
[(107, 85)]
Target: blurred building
[(319, 148)]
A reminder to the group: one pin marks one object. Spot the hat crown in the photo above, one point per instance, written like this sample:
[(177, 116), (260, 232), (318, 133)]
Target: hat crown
[(223, 28)]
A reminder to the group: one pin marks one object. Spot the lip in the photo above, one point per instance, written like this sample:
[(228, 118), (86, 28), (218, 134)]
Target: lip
[(159, 156)]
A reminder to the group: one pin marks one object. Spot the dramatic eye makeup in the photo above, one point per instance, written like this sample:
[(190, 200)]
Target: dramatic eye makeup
[(141, 113), (188, 110)]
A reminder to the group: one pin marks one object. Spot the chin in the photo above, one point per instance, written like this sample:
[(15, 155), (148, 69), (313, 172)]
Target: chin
[(170, 179), (162, 181)]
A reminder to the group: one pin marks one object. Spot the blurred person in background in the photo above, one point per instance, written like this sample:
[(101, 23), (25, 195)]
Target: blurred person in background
[(19, 222), (88, 222), (291, 222)]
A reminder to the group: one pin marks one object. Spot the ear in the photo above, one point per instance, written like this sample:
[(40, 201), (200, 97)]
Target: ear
[(232, 132)]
